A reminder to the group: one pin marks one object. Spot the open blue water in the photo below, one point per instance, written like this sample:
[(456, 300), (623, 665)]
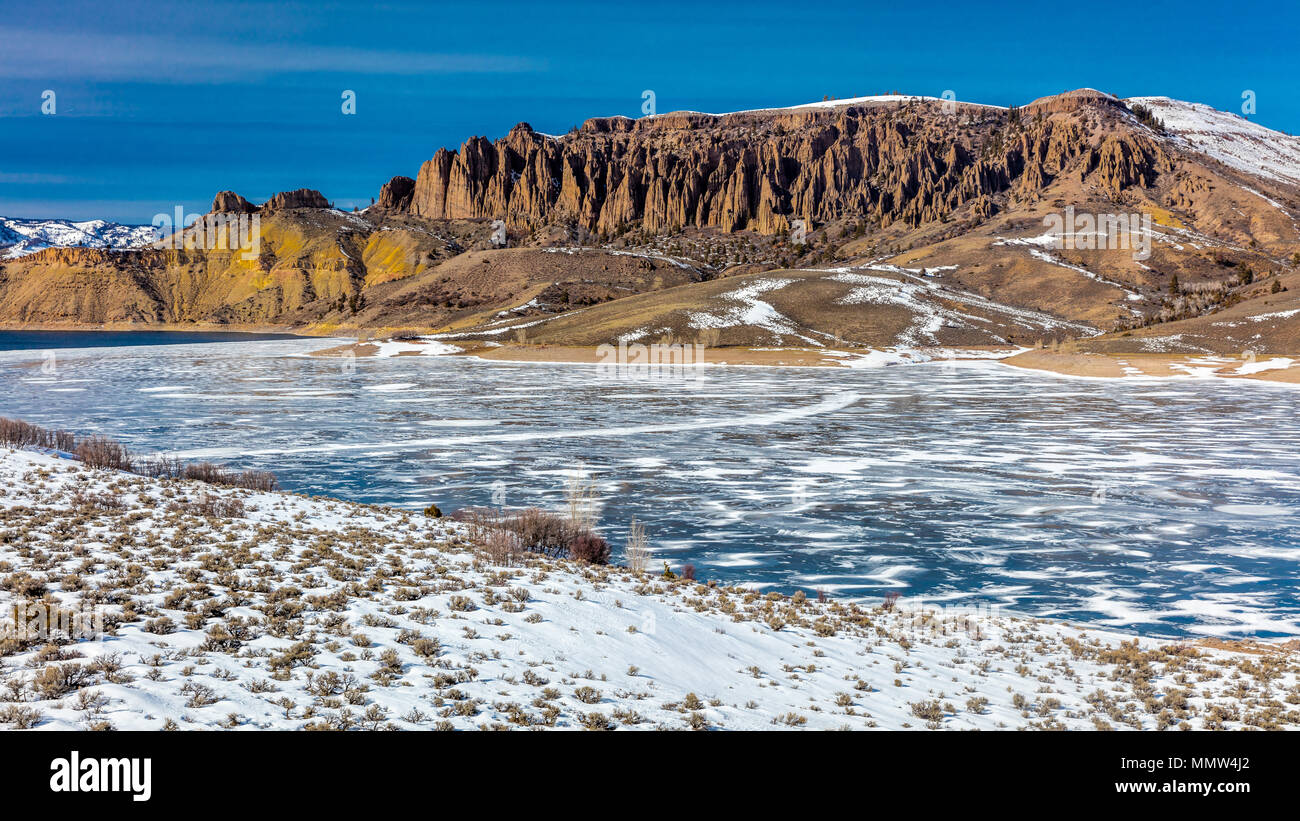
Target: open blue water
[(54, 340), (1160, 507)]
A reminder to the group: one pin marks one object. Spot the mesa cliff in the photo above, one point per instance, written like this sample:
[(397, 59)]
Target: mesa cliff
[(884, 161), (872, 221)]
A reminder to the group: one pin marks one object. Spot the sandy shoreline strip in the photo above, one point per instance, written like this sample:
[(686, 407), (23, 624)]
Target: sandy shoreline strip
[(1264, 367), (592, 355)]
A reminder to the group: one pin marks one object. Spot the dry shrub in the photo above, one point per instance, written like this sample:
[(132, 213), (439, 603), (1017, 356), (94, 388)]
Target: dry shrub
[(58, 680), (162, 625), (96, 501), (425, 647), (102, 452), (502, 538), (24, 584), (461, 604), (200, 695), (210, 505), (25, 434), (22, 718), (556, 535), (161, 467), (539, 529), (588, 547), (480, 520), (483, 524), (587, 695), (219, 639), (298, 655), (502, 547), (222, 475)]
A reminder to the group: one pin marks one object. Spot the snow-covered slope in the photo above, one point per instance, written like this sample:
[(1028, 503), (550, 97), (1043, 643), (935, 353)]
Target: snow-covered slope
[(227, 608), (1228, 138), (846, 101), (27, 236)]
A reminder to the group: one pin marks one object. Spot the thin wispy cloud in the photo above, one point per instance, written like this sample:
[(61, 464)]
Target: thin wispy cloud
[(32, 54), (8, 178)]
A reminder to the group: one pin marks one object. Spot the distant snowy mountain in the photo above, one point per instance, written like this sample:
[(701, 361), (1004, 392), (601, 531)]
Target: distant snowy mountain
[(19, 237), (1228, 138)]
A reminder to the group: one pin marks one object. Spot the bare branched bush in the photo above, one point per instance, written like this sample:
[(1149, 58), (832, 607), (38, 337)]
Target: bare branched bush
[(588, 547), (24, 434), (461, 604), (539, 529), (162, 467), (503, 547), (102, 452), (96, 502), (24, 584), (210, 505), (200, 695), (638, 549), (222, 475), (22, 718), (58, 680), (480, 520)]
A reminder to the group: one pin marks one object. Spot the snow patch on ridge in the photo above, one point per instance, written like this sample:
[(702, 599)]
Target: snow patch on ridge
[(1228, 138), (872, 98), (751, 311), (929, 317)]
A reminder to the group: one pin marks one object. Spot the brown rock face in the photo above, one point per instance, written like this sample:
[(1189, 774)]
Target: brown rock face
[(396, 194), (302, 198), (1073, 101), (915, 162), (1124, 161), (228, 202)]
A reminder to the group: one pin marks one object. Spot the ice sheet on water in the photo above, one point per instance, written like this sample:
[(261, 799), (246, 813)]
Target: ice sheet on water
[(1097, 501)]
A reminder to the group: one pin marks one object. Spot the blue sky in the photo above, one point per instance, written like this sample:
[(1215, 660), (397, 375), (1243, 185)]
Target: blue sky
[(160, 105)]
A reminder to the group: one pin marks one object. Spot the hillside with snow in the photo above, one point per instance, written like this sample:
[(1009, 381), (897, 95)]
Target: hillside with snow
[(19, 237), (1229, 138), (225, 608)]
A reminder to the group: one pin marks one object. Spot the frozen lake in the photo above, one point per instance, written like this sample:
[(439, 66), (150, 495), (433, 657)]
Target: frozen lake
[(1165, 508)]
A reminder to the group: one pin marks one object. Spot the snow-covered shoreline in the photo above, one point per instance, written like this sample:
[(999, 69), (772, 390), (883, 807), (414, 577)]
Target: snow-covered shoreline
[(1273, 371), (248, 610)]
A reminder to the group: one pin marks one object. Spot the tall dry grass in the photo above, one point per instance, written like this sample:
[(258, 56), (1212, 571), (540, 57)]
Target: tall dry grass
[(580, 496), (638, 548)]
